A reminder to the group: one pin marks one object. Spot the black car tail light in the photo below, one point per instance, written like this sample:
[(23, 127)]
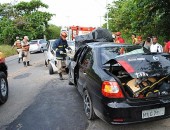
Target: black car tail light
[(111, 90)]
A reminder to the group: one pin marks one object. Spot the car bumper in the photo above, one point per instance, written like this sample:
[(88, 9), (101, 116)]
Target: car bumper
[(127, 113)]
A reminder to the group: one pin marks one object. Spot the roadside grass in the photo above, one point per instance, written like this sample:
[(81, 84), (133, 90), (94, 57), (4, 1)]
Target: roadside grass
[(7, 50)]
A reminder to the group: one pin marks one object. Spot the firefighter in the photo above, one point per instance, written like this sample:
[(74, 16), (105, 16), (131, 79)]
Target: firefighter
[(60, 45), (18, 45), (25, 51)]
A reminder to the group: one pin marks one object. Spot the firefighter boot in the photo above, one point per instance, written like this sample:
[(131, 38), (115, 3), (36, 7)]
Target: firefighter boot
[(24, 64), (28, 63), (19, 60), (60, 75)]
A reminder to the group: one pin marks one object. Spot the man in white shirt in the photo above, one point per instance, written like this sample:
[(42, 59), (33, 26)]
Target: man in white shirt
[(155, 46)]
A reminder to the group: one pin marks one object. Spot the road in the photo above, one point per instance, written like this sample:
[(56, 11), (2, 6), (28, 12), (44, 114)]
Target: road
[(39, 101)]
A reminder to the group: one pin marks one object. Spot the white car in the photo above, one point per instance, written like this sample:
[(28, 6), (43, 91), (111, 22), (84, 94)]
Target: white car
[(50, 57), (37, 45)]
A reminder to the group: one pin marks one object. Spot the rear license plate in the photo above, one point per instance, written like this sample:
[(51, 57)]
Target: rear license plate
[(153, 112)]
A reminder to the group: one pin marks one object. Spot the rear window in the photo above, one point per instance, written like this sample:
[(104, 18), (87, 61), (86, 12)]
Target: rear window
[(108, 53), (33, 42)]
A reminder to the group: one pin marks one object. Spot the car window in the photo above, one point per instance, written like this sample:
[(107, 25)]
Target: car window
[(87, 59), (51, 44), (42, 41), (108, 53), (47, 45), (33, 42)]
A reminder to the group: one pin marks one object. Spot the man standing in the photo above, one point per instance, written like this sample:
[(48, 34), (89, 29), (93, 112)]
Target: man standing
[(18, 45), (60, 46), (155, 46), (25, 50), (118, 38)]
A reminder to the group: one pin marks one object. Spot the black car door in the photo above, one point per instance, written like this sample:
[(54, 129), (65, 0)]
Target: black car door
[(84, 65)]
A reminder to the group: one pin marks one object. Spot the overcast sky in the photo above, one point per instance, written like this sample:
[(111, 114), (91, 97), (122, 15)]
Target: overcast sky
[(74, 12)]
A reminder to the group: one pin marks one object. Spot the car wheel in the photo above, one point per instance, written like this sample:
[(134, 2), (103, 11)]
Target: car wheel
[(69, 76), (51, 69), (88, 106), (3, 88)]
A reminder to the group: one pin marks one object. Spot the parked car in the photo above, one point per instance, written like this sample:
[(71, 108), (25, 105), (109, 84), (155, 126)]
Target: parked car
[(50, 57), (121, 83), (37, 45), (3, 80)]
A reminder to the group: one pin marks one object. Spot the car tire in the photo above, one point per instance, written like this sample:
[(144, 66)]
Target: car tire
[(88, 106), (51, 71), (69, 76), (3, 88)]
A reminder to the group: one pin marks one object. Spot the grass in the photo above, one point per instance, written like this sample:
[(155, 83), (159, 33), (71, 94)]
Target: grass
[(7, 50)]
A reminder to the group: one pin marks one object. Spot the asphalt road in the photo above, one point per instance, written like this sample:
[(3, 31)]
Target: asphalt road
[(39, 101)]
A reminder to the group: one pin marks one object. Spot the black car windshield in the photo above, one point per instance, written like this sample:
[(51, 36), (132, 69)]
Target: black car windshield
[(108, 53)]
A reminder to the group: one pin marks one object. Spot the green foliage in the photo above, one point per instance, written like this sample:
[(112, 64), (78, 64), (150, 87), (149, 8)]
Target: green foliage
[(7, 50), (22, 19), (143, 17), (53, 32)]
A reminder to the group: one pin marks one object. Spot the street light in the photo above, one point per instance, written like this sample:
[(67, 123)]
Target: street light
[(107, 17)]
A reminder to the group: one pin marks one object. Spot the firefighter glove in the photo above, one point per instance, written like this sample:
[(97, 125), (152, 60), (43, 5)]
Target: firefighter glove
[(61, 52)]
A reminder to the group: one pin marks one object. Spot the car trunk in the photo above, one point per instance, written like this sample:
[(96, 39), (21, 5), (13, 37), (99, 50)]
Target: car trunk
[(142, 75)]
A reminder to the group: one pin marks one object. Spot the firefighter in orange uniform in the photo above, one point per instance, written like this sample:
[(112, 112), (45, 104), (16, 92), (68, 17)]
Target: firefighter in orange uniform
[(18, 45), (25, 51)]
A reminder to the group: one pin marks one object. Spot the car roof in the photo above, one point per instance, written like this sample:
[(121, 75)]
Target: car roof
[(106, 44)]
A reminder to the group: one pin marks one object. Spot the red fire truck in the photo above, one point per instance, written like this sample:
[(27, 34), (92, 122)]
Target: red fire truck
[(79, 30)]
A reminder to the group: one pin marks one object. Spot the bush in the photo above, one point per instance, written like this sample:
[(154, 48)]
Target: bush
[(7, 50)]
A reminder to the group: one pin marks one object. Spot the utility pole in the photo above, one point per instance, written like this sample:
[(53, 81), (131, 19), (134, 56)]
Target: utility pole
[(107, 17)]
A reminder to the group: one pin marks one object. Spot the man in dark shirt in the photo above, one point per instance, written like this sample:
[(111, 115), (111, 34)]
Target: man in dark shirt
[(60, 45)]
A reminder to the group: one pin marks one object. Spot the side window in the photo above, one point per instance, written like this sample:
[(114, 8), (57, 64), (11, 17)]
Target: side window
[(79, 53), (87, 60), (47, 45)]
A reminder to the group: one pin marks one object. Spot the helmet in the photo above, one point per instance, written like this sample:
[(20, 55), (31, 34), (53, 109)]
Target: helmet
[(64, 34), (118, 33)]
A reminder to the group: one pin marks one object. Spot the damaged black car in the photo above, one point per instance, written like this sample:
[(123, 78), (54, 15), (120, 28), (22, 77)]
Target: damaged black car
[(122, 83)]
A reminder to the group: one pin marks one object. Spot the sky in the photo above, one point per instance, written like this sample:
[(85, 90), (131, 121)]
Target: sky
[(74, 12)]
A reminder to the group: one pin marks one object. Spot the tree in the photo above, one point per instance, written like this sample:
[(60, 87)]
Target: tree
[(23, 19), (140, 17), (53, 32)]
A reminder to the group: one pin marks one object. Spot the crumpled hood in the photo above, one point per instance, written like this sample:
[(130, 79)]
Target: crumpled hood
[(144, 65)]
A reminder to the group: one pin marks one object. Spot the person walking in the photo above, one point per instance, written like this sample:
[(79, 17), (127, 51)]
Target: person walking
[(60, 45), (25, 50), (18, 45), (155, 46)]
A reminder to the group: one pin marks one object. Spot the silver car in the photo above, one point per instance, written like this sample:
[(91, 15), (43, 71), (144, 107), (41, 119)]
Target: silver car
[(50, 57), (37, 45)]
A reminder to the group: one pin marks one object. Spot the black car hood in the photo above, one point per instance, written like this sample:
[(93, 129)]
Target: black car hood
[(144, 65)]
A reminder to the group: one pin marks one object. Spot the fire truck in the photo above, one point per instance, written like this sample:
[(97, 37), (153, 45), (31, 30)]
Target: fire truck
[(74, 31), (79, 30)]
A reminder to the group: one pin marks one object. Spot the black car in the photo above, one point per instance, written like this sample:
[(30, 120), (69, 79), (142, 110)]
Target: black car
[(3, 80), (122, 83)]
